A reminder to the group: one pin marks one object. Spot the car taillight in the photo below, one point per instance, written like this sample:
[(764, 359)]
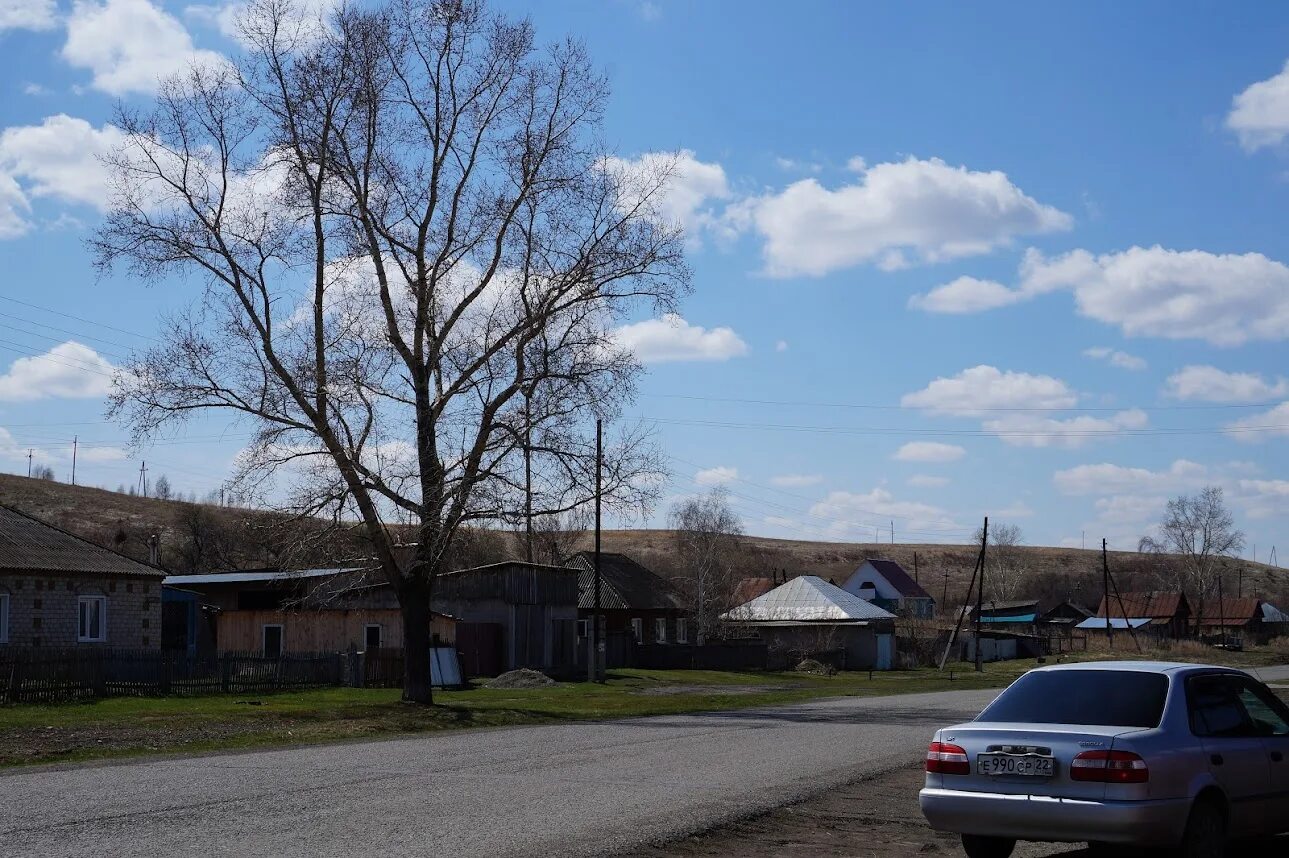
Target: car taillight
[(1109, 767), (945, 759)]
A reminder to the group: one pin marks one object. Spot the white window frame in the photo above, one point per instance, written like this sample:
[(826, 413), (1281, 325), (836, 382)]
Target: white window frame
[(583, 628), (264, 630), (380, 634), (637, 629), (660, 629), (81, 635), (682, 630), (4, 618)]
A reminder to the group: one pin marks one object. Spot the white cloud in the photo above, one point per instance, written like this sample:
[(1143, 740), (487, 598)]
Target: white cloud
[(67, 371), (1263, 499), (856, 164), (101, 454), (1020, 509), (1225, 299), (794, 165), (718, 476), (929, 451), (1114, 357), (983, 388), (1110, 479), (129, 45), (1259, 427), (13, 208), (59, 158), (852, 512), (689, 188), (797, 480), (927, 481), (304, 19), (966, 295), (28, 15), (1031, 430), (671, 338), (921, 207), (1210, 384), (781, 346), (1260, 115)]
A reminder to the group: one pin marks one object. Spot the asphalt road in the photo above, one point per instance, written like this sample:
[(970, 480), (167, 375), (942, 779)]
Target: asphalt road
[(568, 790)]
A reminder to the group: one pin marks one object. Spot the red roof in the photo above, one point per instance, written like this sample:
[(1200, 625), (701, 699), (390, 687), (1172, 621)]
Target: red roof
[(899, 579), (1158, 605), (1231, 611), (752, 588)]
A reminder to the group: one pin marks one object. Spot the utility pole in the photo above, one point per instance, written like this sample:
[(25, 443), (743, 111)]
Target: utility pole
[(75, 440), (597, 655), (1105, 595), (143, 479), (1085, 539), (944, 593), (915, 569), (1119, 597), (29, 452), (892, 531), (528, 480), (980, 595)]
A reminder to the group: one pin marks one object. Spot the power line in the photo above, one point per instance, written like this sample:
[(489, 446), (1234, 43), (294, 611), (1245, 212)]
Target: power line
[(917, 408), (95, 323)]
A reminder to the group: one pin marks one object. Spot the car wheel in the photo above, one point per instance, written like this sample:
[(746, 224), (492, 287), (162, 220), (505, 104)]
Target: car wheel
[(987, 847), (1205, 835)]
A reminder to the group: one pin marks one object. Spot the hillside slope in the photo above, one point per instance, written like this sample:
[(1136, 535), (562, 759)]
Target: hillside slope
[(198, 537)]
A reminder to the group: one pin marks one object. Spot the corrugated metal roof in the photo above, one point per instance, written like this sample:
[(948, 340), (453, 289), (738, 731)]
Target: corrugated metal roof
[(1158, 605), (624, 584), (1115, 623), (30, 545), (1014, 618), (807, 598), (258, 576), (1272, 614)]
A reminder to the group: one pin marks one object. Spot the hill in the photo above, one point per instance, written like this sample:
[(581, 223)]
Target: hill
[(203, 537)]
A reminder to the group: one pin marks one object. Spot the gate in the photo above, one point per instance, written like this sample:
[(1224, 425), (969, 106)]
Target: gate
[(480, 647)]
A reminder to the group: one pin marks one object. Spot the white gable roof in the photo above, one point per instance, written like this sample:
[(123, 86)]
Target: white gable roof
[(807, 598)]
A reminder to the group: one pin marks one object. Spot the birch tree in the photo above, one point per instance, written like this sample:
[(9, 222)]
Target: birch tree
[(397, 221), (706, 532)]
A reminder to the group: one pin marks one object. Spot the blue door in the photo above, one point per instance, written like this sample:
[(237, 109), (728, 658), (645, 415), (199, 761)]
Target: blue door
[(885, 652)]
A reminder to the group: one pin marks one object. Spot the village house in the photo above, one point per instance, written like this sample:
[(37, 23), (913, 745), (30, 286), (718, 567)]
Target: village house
[(1015, 615), (808, 617), (1166, 615), (632, 600), (273, 612), (58, 590), (1251, 619), (885, 583)]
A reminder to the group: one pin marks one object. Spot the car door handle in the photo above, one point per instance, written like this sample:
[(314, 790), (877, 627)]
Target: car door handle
[(1277, 757), (1216, 759)]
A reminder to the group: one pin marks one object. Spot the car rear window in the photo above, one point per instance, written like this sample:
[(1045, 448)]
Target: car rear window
[(1100, 698)]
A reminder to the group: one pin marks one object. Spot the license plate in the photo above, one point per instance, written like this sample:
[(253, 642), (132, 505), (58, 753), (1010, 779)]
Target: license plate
[(1028, 765)]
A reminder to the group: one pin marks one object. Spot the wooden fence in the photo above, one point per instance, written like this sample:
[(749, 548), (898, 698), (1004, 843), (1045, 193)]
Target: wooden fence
[(55, 675)]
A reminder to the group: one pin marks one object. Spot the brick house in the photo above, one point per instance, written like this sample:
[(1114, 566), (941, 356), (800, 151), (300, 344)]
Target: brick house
[(58, 590)]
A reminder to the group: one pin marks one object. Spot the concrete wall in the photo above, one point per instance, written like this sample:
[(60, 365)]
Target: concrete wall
[(44, 609)]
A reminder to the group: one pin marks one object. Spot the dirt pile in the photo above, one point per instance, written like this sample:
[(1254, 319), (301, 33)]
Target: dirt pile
[(818, 668), (522, 678)]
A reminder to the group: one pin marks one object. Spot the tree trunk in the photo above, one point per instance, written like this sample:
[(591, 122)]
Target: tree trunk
[(414, 603)]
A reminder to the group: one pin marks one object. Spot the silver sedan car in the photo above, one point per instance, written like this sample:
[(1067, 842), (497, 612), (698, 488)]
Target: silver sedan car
[(1178, 756)]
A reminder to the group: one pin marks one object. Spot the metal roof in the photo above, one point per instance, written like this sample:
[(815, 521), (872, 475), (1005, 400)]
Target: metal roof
[(807, 598), (1115, 623), (258, 576), (624, 584), (29, 545), (896, 576), (1014, 618), (1272, 614)]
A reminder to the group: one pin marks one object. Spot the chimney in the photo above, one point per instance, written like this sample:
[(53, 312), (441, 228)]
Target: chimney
[(154, 550)]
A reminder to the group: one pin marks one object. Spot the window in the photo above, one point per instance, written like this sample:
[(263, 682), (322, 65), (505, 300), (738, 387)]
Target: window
[(272, 641), (93, 619), (660, 630), (1228, 706), (682, 630), (583, 628), (4, 618), (1094, 698), (371, 635), (637, 629)]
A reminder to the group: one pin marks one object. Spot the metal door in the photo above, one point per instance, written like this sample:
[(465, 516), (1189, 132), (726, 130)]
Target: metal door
[(885, 652)]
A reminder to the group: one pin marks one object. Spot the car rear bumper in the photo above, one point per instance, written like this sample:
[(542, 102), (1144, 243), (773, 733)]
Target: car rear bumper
[(1065, 820)]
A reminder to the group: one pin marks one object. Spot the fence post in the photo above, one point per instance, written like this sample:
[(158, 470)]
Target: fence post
[(223, 672), (100, 672)]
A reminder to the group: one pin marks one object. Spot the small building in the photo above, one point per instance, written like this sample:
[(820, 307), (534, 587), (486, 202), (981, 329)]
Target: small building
[(632, 599), (808, 617), (749, 588), (1168, 612), (59, 590), (512, 615), (272, 611), (885, 584), (1251, 619), (1017, 615), (1062, 618)]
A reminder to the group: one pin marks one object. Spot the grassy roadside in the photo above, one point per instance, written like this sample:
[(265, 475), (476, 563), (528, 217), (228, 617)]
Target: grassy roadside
[(131, 726)]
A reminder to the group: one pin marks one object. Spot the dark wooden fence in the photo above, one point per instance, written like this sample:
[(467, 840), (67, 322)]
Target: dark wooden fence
[(740, 655), (55, 675)]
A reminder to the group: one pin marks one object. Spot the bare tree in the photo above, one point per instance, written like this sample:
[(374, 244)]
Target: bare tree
[(161, 490), (556, 537), (43, 472), (1202, 531), (404, 219), (706, 532), (1006, 573)]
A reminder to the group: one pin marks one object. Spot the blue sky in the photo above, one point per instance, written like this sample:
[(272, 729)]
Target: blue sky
[(1043, 245)]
